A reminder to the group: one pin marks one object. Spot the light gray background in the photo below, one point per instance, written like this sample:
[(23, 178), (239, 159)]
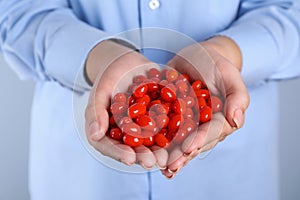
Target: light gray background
[(15, 103)]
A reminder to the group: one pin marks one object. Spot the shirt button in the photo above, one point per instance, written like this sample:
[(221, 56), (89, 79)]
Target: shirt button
[(154, 4)]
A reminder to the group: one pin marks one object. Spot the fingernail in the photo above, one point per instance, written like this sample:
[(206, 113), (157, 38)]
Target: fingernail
[(94, 130), (126, 162), (238, 118), (187, 154), (144, 166), (170, 177), (174, 171), (170, 171), (160, 167)]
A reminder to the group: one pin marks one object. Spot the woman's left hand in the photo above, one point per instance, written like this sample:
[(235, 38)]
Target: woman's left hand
[(218, 61)]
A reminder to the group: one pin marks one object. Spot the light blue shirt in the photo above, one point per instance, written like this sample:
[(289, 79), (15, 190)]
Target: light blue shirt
[(48, 41)]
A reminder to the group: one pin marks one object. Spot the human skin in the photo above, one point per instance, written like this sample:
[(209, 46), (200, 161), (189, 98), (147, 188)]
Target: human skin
[(116, 60)]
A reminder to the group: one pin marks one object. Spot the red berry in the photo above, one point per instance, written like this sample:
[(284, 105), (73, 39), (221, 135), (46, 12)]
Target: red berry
[(124, 120), (118, 108), (162, 121), (145, 100), (130, 100), (161, 140), (139, 78), (216, 104), (189, 113), (132, 141), (189, 125), (175, 122), (182, 87), (116, 133), (190, 101), (154, 73), (197, 85), (152, 85), (140, 90), (152, 103), (179, 106), (201, 102), (184, 77), (120, 97), (180, 135), (167, 94), (202, 93), (148, 141), (136, 109), (160, 108), (171, 75), (112, 121), (132, 129), (205, 114), (146, 122)]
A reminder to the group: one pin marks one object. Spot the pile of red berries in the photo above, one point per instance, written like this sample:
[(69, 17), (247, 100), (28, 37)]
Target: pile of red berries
[(160, 108)]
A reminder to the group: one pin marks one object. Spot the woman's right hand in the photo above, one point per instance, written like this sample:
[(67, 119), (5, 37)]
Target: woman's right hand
[(105, 66)]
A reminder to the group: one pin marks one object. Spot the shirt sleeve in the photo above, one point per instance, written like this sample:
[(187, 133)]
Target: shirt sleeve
[(268, 34), (44, 40)]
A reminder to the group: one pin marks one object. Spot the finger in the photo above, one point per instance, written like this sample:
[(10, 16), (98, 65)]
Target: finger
[(96, 115), (206, 133), (145, 157), (161, 155), (96, 121), (176, 160), (114, 149), (168, 174), (236, 94)]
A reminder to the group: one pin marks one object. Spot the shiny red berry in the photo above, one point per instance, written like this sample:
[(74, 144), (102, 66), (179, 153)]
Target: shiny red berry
[(116, 133), (120, 97), (149, 141), (146, 122), (140, 90), (216, 104), (171, 75), (118, 108), (202, 93), (205, 114), (179, 106), (197, 85), (136, 109), (201, 102), (175, 122), (161, 140), (182, 86), (132, 129), (132, 140), (145, 100), (154, 73), (167, 94)]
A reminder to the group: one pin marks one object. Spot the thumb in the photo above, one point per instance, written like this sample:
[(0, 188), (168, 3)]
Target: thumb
[(96, 115), (236, 95)]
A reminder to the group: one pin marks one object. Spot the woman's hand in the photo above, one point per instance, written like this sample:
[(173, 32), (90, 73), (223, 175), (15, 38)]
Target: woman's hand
[(106, 65), (218, 61)]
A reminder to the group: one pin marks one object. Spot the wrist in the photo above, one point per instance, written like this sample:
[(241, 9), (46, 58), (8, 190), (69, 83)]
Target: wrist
[(227, 48), (102, 55)]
